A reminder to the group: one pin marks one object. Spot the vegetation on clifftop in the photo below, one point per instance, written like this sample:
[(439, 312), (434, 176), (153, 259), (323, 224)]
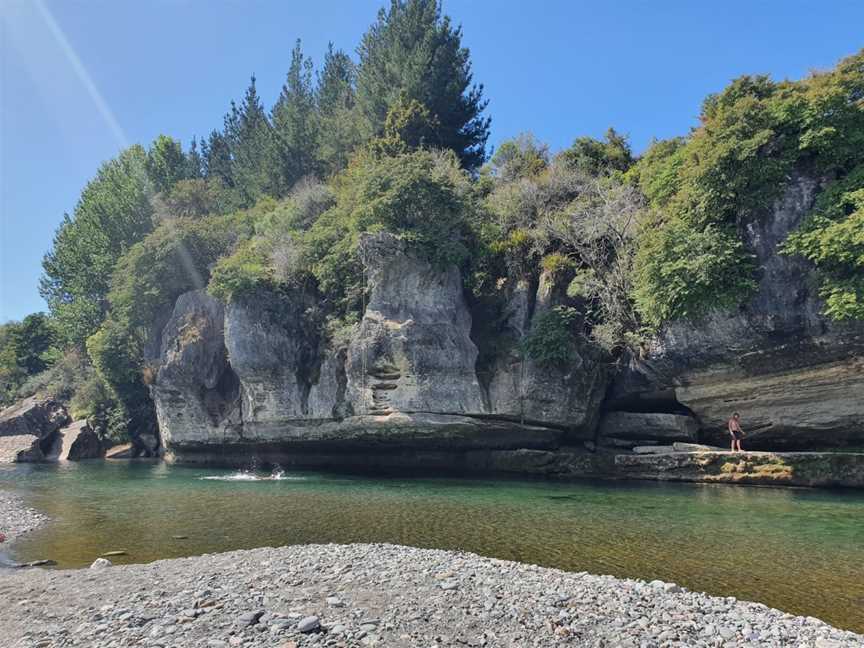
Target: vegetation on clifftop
[(275, 201)]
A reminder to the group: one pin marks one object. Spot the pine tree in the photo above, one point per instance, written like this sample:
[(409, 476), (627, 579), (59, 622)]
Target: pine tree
[(250, 137), (194, 160), (338, 127), (216, 153), (412, 52), (295, 124)]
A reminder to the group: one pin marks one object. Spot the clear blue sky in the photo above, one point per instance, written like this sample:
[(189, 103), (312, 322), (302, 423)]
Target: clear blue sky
[(82, 78)]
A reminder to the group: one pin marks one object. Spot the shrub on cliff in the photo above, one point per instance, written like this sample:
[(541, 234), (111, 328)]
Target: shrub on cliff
[(752, 136), (422, 196)]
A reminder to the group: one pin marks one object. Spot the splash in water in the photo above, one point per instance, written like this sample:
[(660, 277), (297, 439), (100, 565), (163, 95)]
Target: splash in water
[(249, 475)]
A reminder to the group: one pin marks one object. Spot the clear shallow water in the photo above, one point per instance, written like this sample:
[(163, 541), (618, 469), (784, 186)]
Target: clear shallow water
[(799, 550)]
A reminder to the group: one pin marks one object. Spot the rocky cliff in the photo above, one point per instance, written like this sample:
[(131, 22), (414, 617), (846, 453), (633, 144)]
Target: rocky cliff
[(796, 377), (253, 377), (256, 377)]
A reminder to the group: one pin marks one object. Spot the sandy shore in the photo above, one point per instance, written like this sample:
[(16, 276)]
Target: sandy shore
[(376, 595)]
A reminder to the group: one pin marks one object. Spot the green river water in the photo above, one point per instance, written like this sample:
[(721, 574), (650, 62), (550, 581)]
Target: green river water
[(798, 550)]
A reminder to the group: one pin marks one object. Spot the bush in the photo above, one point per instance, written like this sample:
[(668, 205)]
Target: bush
[(551, 340), (683, 271), (836, 247), (422, 196)]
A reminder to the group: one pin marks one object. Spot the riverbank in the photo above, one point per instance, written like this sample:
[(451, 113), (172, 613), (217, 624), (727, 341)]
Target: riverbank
[(17, 519), (377, 595)]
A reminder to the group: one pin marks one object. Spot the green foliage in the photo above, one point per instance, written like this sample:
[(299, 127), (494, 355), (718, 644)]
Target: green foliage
[(422, 196), (193, 198), (753, 136), (594, 157), (114, 212), (551, 340), (522, 157), (339, 129), (166, 165), (657, 171), (243, 272), (413, 52), (833, 239), (295, 129), (409, 125), (683, 271), (173, 259)]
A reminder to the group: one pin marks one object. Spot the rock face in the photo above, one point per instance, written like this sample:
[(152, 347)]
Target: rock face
[(254, 377), (257, 377), (413, 352), (196, 392), (28, 429), (40, 418), (647, 425), (795, 377), (521, 389)]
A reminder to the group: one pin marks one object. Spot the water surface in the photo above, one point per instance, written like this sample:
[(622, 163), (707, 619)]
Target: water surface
[(798, 550)]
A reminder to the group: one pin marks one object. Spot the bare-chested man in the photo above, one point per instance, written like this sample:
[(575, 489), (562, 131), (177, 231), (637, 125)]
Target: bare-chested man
[(736, 432)]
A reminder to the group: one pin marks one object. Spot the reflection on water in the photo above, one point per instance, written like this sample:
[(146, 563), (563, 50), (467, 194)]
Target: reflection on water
[(798, 550)]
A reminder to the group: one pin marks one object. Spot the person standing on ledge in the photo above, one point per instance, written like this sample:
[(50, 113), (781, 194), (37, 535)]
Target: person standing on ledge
[(736, 432)]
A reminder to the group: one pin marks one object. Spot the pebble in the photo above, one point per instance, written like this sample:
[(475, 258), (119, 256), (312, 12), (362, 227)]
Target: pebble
[(341, 596), (309, 624), (100, 563)]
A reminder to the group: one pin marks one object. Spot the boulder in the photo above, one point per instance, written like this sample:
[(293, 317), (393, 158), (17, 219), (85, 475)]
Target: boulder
[(33, 416), (654, 426), (20, 448), (79, 441)]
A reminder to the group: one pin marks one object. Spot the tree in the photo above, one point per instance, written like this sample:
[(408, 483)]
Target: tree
[(194, 161), (26, 349), (250, 140), (33, 341), (113, 213), (166, 165), (521, 157), (294, 123), (409, 126), (338, 127), (413, 52), (216, 156), (612, 153)]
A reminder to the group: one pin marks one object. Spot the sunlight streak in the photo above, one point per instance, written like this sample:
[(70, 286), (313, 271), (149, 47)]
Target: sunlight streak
[(82, 74)]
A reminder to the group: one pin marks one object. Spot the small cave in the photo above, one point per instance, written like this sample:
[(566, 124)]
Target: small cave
[(662, 401), (221, 400)]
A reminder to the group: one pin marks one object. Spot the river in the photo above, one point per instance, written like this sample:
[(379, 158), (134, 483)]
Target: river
[(795, 549)]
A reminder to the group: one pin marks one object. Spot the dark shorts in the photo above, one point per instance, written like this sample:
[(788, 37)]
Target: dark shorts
[(737, 436)]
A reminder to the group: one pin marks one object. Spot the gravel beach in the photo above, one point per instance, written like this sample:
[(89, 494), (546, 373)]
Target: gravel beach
[(376, 595), (16, 518)]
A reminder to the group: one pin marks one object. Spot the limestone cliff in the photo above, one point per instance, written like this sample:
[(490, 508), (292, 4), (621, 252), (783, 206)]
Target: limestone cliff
[(796, 378), (259, 376), (256, 377)]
